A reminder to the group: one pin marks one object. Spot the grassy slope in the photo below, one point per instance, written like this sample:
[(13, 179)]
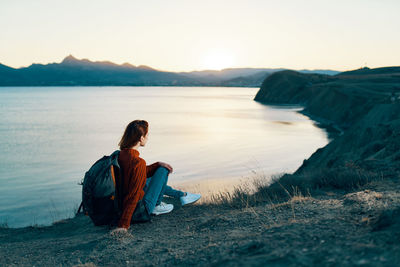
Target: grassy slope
[(334, 229)]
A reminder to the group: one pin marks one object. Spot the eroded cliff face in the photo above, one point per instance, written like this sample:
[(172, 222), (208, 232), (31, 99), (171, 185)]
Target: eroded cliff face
[(372, 143), (364, 103)]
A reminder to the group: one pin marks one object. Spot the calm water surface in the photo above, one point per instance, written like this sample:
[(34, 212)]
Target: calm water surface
[(214, 138)]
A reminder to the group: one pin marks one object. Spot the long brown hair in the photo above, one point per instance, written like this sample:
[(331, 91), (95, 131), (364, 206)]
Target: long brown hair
[(133, 132)]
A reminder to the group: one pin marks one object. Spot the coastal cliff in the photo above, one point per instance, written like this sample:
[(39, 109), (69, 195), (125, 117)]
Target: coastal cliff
[(365, 106)]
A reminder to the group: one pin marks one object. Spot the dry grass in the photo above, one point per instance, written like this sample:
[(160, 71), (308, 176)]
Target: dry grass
[(291, 188)]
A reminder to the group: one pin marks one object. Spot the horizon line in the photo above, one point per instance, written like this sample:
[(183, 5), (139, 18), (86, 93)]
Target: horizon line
[(185, 71)]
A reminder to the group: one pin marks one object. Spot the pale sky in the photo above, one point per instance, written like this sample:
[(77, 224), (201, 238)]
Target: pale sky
[(185, 35)]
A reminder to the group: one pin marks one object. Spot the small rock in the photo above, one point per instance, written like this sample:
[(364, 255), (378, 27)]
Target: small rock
[(362, 262)]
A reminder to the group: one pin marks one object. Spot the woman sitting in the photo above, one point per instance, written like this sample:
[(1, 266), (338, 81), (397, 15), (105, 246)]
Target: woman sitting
[(147, 184)]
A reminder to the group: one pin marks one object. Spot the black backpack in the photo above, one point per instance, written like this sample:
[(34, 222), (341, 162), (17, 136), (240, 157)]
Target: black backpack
[(101, 199), (102, 193)]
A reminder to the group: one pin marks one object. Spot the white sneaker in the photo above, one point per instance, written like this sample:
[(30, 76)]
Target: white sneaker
[(189, 198), (162, 208)]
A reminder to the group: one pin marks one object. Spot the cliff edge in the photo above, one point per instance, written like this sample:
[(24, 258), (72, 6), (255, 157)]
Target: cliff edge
[(364, 104)]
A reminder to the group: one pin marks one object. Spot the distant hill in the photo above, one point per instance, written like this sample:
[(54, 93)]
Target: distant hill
[(72, 71), (327, 72)]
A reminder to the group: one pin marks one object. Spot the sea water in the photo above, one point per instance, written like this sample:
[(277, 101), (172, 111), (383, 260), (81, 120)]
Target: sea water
[(214, 137)]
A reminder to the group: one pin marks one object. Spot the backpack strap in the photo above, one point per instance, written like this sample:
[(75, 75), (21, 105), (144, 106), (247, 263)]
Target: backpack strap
[(118, 183), (79, 209), (116, 196)]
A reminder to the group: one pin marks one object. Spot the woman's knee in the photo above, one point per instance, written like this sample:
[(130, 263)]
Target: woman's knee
[(162, 170)]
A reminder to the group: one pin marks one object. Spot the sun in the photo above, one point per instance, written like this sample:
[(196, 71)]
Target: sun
[(217, 60)]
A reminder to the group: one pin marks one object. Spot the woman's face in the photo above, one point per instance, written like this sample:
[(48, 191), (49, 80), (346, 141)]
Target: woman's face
[(143, 139)]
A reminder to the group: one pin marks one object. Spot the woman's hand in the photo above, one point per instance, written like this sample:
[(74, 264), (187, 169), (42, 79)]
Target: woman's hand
[(166, 165), (120, 232)]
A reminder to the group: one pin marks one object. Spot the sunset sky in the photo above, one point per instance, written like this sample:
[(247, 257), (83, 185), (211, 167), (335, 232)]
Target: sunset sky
[(185, 35)]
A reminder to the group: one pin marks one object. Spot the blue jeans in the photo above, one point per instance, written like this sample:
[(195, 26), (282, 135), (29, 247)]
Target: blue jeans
[(156, 187)]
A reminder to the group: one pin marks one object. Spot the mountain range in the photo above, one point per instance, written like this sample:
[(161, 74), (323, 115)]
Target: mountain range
[(74, 72)]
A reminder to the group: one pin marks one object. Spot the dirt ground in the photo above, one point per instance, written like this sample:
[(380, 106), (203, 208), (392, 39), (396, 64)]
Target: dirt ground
[(334, 228)]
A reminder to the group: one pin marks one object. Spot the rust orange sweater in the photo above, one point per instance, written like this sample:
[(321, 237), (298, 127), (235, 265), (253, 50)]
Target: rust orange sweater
[(134, 173)]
